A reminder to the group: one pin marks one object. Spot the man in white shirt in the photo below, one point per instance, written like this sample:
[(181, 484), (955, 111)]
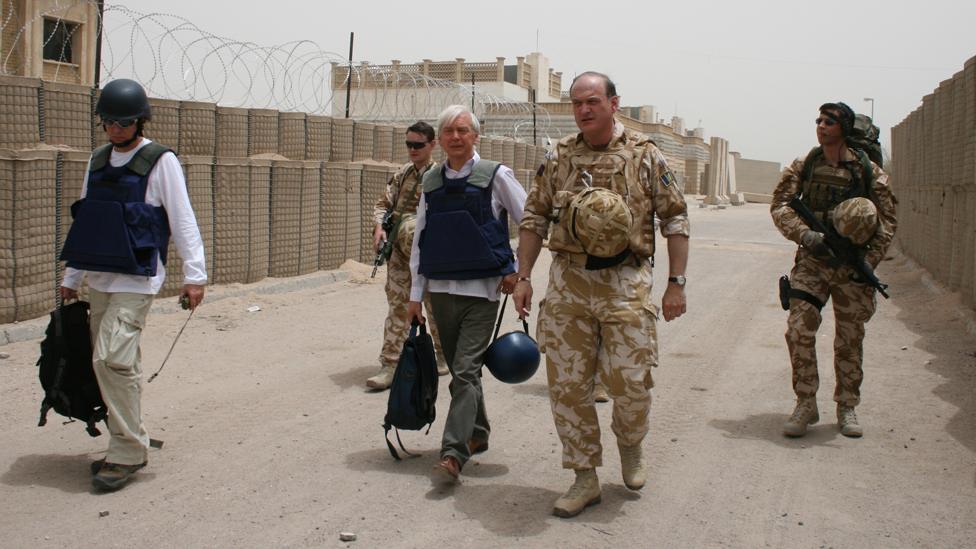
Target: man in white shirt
[(461, 255), (133, 199)]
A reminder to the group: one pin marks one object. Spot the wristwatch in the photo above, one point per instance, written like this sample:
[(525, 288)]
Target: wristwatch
[(680, 280)]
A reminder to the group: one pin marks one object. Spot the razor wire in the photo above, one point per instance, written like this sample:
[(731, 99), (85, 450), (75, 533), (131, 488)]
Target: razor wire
[(173, 58)]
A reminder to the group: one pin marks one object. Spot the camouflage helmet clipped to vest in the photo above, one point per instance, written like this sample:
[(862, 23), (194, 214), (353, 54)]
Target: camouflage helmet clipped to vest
[(856, 219), (601, 221), (404, 234)]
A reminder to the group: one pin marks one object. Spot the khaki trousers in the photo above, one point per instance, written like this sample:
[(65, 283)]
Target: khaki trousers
[(117, 320)]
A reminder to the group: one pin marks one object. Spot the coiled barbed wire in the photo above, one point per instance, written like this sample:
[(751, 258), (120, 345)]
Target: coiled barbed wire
[(175, 59)]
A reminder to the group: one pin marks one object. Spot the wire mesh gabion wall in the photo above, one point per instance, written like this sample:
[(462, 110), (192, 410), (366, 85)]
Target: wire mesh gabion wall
[(176, 59)]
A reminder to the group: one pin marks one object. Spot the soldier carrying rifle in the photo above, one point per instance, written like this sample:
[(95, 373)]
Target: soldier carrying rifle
[(837, 205), (395, 216)]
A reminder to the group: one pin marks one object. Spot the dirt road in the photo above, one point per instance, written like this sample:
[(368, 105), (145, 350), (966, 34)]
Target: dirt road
[(271, 439)]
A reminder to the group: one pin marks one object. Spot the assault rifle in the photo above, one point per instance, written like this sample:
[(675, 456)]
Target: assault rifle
[(843, 249), (386, 246)]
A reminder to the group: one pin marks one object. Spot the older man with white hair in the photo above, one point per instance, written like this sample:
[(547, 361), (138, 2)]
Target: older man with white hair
[(461, 255)]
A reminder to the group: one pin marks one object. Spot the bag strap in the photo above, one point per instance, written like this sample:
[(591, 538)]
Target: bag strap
[(389, 445), (501, 313)]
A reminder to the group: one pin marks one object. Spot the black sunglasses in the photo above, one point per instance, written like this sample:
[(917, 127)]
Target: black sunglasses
[(825, 121), (107, 122), (416, 145)]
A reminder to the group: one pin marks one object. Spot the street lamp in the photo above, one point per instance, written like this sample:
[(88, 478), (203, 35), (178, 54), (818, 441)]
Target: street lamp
[(871, 99)]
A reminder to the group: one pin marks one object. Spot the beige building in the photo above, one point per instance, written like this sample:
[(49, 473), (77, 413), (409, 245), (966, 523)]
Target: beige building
[(398, 91), (49, 39)]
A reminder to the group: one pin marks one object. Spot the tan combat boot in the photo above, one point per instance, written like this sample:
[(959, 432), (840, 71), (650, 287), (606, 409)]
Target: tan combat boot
[(632, 466), (804, 414), (583, 493), (847, 421), (600, 393), (442, 369), (382, 379)]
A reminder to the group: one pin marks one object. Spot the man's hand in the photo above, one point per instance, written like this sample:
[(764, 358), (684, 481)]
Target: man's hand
[(507, 285), (674, 303), (67, 294), (194, 293), (522, 298), (814, 241), (379, 236), (413, 312)]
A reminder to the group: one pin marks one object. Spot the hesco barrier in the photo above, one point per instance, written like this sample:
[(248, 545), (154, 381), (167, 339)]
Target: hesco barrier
[(933, 174), (301, 206)]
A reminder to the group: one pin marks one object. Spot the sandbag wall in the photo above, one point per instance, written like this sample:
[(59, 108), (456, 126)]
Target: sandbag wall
[(275, 193), (933, 175)]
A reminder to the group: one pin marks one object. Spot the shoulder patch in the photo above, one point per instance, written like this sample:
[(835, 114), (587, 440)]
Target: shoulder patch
[(668, 179)]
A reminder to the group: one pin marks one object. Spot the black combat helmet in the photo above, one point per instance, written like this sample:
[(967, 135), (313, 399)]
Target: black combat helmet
[(123, 99)]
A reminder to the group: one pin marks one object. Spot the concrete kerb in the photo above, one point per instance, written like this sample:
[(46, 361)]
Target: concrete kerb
[(34, 329)]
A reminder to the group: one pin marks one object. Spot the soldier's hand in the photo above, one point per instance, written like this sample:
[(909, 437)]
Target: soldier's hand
[(68, 294), (814, 241), (674, 303), (414, 313), (379, 236), (522, 298)]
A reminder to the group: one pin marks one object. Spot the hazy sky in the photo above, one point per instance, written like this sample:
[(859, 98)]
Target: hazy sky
[(751, 71)]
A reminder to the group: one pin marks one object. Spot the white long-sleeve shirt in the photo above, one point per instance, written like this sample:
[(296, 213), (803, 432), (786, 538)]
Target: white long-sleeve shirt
[(167, 188), (506, 194)]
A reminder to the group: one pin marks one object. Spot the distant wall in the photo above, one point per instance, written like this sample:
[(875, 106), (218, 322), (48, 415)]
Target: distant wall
[(756, 178), (933, 175), (275, 193)]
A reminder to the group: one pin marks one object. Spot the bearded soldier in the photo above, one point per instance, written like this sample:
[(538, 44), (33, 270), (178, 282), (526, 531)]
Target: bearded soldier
[(596, 198), (850, 195)]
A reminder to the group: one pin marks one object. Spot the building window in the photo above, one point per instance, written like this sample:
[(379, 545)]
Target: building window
[(58, 35)]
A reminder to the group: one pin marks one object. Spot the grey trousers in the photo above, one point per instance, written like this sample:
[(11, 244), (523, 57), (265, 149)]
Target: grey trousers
[(465, 325)]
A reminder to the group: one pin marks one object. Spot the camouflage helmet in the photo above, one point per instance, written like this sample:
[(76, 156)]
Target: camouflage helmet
[(601, 220), (404, 234), (856, 219)]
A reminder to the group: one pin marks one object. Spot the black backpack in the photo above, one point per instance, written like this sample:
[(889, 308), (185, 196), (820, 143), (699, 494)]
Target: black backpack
[(413, 392), (65, 368)]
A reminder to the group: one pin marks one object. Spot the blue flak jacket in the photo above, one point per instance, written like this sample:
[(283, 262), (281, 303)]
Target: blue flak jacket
[(114, 229), (462, 239)]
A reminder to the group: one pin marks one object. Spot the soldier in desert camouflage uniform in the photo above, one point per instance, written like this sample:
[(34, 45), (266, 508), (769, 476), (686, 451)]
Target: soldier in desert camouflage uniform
[(401, 197), (835, 174), (597, 314)]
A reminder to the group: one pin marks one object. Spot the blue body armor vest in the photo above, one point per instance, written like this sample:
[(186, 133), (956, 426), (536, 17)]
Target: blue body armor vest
[(462, 240), (114, 229)]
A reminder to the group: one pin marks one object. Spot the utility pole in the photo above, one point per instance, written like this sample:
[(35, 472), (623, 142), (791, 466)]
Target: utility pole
[(98, 43), (871, 99), (532, 93), (349, 76)]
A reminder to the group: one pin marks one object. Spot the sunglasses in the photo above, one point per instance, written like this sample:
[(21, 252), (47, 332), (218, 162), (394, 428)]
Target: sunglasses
[(108, 122), (825, 121), (416, 145)]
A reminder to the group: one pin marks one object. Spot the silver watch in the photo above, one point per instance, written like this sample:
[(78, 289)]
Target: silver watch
[(680, 280)]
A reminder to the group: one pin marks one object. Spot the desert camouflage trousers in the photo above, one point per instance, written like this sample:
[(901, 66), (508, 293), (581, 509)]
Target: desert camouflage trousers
[(854, 305), (397, 326), (598, 321)]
